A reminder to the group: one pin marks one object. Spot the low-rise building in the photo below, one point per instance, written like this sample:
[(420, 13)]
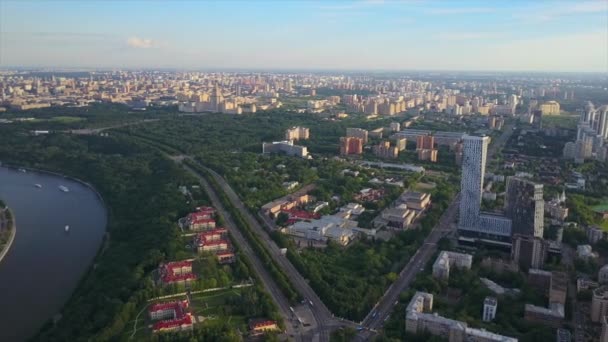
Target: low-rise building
[(171, 316), (260, 326), (418, 319), (399, 217), (202, 218), (177, 272), (212, 240), (416, 200), (552, 316), (285, 147), (286, 203), (329, 227), (447, 260)]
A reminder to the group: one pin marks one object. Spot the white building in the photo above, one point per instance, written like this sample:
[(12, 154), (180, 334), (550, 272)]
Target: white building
[(490, 305), (446, 260), (286, 147), (327, 227)]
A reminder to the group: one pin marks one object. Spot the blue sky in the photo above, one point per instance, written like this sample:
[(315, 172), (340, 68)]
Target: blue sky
[(377, 35)]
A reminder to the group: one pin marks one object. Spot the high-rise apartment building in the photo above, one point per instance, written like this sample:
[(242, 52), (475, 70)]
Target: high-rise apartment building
[(471, 186), (357, 133), (524, 205), (425, 142), (472, 222), (528, 251), (490, 305), (351, 145), (430, 155), (297, 133), (550, 108), (385, 150), (599, 304)]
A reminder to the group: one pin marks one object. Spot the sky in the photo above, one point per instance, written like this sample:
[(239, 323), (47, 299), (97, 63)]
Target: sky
[(491, 35)]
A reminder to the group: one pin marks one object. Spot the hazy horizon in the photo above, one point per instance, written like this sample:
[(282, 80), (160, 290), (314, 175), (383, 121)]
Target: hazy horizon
[(382, 36)]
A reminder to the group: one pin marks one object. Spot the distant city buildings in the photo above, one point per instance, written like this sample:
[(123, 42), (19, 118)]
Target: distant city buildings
[(591, 137)]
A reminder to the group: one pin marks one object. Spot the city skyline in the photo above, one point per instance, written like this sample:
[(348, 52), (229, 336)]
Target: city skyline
[(338, 35)]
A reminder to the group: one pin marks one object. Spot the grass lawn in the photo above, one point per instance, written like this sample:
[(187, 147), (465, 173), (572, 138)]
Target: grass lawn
[(66, 119), (601, 207)]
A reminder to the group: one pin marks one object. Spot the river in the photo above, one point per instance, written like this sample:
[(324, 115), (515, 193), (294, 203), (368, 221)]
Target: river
[(45, 264)]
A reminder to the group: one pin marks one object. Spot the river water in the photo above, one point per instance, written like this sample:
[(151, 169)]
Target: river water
[(45, 264)]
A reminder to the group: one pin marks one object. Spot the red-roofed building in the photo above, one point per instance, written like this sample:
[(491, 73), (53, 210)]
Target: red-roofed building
[(258, 326), (173, 315), (198, 221), (299, 215), (176, 272), (211, 246), (225, 257)]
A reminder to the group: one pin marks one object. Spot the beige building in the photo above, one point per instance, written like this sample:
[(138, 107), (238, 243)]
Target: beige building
[(385, 150), (599, 304), (357, 133), (297, 133), (446, 260), (550, 108)]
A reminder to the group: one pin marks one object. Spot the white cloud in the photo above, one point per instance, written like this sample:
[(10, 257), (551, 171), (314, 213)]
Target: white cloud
[(141, 43), (461, 10), (466, 35)]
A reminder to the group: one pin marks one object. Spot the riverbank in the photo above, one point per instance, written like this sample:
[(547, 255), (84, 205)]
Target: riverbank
[(9, 223)]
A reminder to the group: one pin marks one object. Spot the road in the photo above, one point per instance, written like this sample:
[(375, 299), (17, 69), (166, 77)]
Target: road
[(265, 277), (89, 131), (324, 318), (376, 318)]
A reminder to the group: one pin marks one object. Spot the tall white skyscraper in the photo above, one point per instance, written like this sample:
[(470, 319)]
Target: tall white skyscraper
[(602, 126), (475, 150)]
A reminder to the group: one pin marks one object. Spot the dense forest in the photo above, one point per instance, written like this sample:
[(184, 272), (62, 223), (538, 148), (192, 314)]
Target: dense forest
[(139, 186)]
